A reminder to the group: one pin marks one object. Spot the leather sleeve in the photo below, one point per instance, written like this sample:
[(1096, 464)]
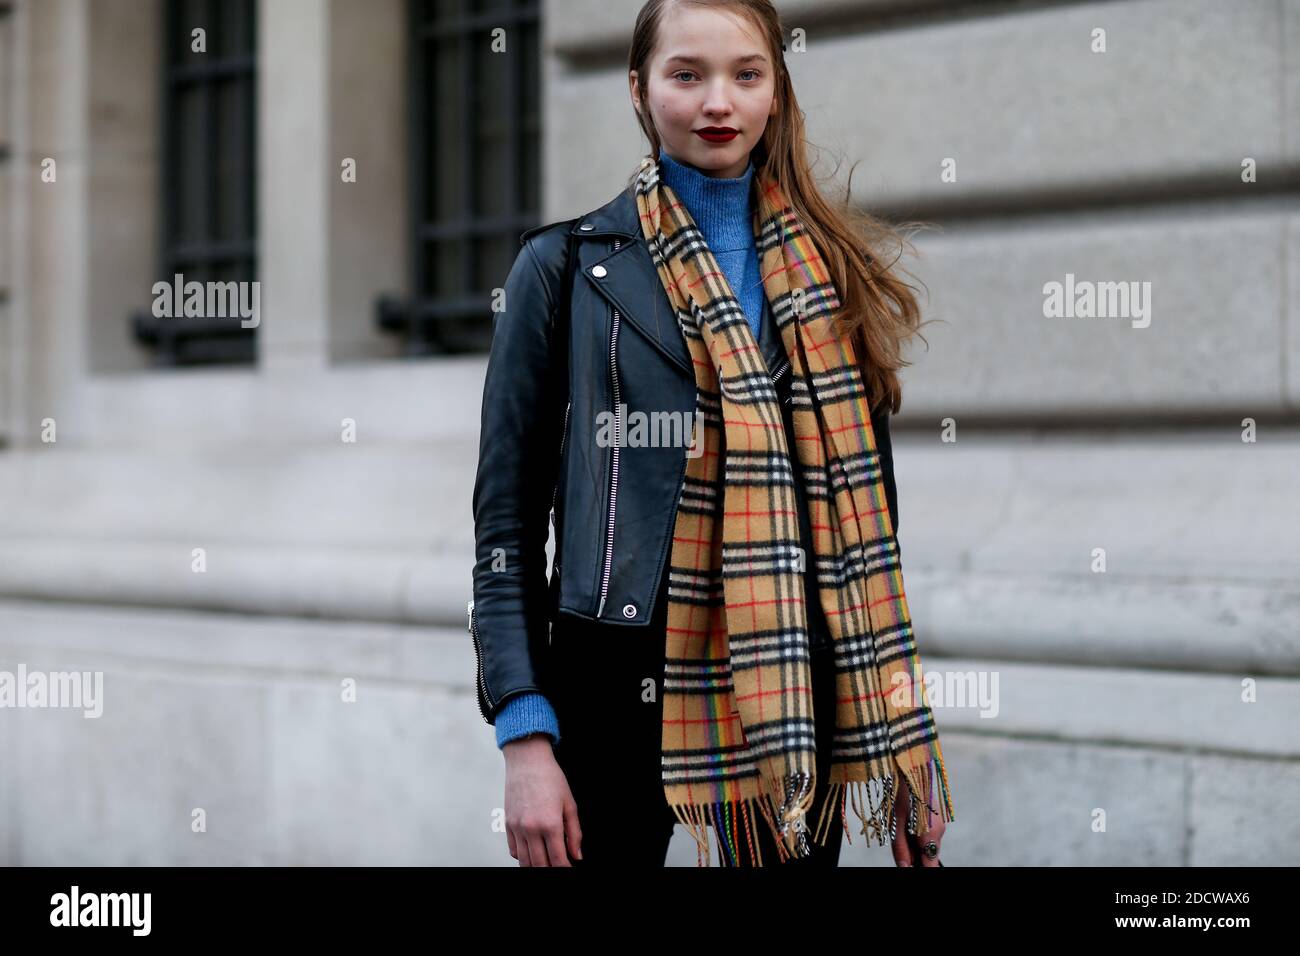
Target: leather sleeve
[(517, 463)]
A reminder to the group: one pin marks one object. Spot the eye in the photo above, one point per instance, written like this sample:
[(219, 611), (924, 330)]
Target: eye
[(687, 72), (755, 72)]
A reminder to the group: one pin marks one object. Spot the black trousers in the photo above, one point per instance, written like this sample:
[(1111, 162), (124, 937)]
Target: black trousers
[(610, 739)]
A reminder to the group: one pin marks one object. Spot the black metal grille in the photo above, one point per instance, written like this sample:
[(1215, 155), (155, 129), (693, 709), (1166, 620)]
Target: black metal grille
[(209, 186), (475, 125), (5, 10)]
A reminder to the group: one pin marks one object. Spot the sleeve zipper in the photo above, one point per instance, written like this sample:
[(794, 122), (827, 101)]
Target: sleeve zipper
[(484, 699)]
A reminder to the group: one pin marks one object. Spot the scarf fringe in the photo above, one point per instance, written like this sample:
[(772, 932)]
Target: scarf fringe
[(877, 818), (927, 775), (881, 792), (791, 836)]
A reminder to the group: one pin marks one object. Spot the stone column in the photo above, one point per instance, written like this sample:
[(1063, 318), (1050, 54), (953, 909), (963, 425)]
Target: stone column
[(293, 168)]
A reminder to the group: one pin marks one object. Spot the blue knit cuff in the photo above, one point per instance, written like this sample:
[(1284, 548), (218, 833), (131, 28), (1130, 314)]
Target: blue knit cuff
[(525, 714)]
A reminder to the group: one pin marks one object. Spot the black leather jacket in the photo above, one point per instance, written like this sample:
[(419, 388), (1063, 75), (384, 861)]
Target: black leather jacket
[(557, 361)]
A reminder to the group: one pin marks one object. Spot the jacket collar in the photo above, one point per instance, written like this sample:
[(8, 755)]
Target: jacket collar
[(631, 282), (618, 217)]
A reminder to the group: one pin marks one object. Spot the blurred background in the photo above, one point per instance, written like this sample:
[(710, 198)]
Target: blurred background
[(262, 537)]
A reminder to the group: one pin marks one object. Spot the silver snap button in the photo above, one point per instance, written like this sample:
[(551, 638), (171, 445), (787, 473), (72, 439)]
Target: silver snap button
[(599, 271), (586, 227), (629, 610)]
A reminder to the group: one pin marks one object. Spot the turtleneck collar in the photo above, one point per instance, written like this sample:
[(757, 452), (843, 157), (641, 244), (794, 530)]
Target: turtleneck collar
[(722, 208)]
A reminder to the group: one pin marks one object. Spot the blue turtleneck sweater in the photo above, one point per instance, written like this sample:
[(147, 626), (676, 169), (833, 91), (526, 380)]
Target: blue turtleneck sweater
[(723, 209)]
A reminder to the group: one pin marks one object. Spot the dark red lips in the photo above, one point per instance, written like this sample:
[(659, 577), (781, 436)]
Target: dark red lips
[(717, 134)]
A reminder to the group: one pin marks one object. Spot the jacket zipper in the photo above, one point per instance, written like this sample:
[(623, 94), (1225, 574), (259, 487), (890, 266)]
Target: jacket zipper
[(555, 568), (484, 699), (564, 433), (781, 370), (613, 475)]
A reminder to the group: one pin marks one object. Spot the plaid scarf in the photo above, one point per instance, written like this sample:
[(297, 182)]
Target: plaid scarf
[(738, 731)]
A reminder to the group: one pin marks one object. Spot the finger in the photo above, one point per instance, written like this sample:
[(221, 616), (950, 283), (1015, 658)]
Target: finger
[(555, 846), (537, 849), (918, 854), (572, 830), (521, 841), (902, 847), (927, 860), (931, 835), (510, 841)]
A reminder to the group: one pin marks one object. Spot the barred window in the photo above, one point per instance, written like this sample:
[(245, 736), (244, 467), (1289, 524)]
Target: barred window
[(6, 257), (475, 165), (209, 194)]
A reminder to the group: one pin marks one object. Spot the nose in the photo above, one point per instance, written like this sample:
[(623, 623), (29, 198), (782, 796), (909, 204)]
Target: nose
[(718, 103)]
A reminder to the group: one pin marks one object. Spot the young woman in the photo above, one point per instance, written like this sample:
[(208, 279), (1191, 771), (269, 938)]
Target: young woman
[(724, 641)]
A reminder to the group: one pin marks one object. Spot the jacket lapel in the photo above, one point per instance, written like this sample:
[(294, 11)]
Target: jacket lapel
[(631, 282), (632, 285)]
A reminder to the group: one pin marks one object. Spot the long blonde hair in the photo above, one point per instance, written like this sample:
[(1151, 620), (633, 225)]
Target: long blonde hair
[(879, 311)]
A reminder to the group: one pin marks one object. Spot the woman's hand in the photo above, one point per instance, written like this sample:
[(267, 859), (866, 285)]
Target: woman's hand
[(541, 816), (907, 848)]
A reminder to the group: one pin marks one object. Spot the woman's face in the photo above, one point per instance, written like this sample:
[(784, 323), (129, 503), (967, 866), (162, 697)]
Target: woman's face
[(710, 74)]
